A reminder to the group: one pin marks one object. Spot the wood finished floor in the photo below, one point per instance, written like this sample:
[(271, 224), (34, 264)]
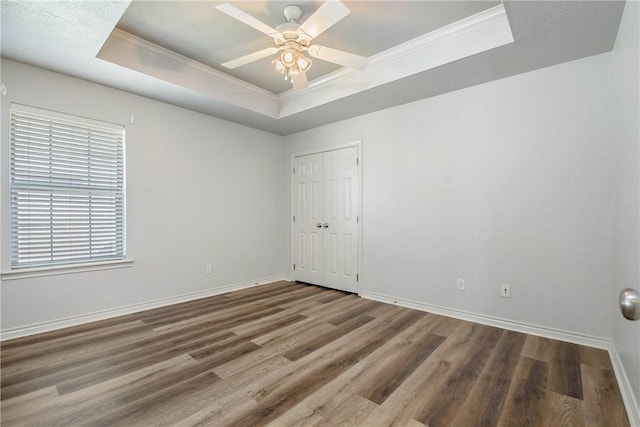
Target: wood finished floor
[(292, 354)]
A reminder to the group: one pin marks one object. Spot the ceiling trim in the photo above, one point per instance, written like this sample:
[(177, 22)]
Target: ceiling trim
[(495, 15), (137, 54), (469, 36)]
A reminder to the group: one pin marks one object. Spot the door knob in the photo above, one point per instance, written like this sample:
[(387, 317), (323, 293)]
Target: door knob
[(325, 225), (319, 225), (630, 304)]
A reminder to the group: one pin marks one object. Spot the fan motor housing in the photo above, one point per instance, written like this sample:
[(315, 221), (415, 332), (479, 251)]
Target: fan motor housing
[(292, 13)]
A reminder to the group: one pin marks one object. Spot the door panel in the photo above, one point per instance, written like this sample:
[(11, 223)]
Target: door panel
[(307, 210), (340, 176)]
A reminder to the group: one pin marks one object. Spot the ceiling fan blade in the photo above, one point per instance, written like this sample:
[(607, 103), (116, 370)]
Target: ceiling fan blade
[(328, 14), (244, 17), (299, 81), (235, 63), (339, 57)]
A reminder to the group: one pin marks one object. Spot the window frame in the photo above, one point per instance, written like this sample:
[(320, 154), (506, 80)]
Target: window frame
[(118, 256)]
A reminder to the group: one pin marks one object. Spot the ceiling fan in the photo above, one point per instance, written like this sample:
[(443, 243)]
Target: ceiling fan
[(293, 39)]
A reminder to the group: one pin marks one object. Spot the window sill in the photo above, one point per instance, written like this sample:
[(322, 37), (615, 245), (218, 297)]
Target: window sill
[(27, 273)]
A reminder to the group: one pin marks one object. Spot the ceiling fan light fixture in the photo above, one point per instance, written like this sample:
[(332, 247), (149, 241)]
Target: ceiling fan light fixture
[(303, 62), (277, 63), (292, 38), (288, 57)]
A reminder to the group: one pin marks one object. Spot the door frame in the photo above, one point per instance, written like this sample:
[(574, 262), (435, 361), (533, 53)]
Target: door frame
[(358, 144)]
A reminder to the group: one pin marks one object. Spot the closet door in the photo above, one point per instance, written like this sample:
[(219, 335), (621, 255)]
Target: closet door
[(325, 209), (307, 210), (340, 218)]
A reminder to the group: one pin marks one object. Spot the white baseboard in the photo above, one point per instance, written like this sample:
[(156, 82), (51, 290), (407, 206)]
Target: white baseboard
[(527, 328), (66, 322), (628, 396)]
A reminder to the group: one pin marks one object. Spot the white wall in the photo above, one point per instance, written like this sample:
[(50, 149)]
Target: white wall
[(626, 77), (506, 182), (199, 190)]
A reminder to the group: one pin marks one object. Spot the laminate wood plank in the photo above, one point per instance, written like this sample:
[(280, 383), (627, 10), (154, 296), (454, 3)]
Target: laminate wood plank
[(486, 399), (351, 412), (105, 396), (460, 340), (22, 406), (40, 347), (355, 310), (70, 383), (321, 340), (220, 321), (400, 366), (300, 416), (324, 312), (537, 348), (276, 400), (444, 326), (270, 323), (602, 398), (332, 296), (526, 398), (564, 369), (458, 382), (155, 404), (337, 349), (408, 400), (358, 380), (292, 354), (272, 348), (317, 297), (54, 356), (106, 326), (227, 408), (92, 362), (278, 335), (127, 362), (224, 398), (192, 311), (563, 410), (595, 357), (74, 375), (231, 311)]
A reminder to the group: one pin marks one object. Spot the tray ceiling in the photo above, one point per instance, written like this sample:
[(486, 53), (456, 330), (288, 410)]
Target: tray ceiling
[(172, 51)]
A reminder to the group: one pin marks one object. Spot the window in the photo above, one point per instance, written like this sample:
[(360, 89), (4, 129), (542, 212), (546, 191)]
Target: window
[(67, 189)]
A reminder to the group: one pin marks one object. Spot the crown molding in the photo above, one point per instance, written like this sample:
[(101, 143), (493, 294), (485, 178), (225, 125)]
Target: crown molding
[(135, 53), (469, 36), (495, 14)]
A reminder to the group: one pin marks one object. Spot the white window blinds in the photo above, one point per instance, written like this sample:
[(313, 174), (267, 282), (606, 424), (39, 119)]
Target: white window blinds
[(67, 189)]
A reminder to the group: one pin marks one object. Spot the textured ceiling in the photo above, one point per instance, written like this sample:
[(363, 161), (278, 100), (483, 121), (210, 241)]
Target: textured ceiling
[(68, 36)]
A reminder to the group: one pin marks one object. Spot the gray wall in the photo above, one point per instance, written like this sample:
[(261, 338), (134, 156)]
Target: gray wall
[(626, 78), (509, 182), (199, 191)]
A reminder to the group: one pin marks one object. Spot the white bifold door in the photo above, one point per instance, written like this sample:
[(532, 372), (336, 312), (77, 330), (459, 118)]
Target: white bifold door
[(326, 214)]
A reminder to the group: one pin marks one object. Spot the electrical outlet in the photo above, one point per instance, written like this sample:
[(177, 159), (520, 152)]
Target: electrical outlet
[(207, 269), (506, 291), (460, 285)]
